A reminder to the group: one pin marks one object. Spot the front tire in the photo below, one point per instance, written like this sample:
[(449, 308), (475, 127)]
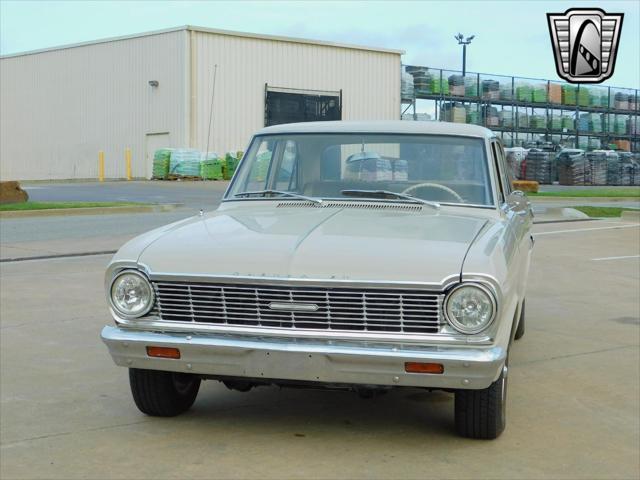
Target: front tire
[(482, 413), (163, 394)]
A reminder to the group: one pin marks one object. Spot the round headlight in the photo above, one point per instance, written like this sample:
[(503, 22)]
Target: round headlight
[(131, 294), (470, 308)]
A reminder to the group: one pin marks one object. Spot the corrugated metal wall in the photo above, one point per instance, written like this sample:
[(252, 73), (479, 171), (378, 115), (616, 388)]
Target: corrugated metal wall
[(370, 83), (60, 107)]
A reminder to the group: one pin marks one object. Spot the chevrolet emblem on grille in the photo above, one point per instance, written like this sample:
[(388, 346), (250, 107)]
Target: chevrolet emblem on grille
[(585, 43), (294, 307)]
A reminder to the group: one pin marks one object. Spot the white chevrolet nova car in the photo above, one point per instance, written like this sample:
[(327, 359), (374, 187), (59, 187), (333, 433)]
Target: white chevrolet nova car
[(349, 255)]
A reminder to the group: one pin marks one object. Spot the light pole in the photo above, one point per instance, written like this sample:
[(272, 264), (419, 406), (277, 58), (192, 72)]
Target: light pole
[(464, 42)]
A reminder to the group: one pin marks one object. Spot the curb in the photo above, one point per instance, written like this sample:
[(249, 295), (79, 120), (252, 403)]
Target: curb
[(56, 212)]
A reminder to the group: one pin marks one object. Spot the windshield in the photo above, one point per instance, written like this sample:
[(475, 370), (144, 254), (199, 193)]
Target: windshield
[(436, 168)]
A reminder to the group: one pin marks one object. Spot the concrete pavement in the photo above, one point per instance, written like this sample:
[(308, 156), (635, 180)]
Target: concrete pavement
[(574, 396)]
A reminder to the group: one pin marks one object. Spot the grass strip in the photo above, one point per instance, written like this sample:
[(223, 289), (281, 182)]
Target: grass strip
[(602, 212), (12, 207)]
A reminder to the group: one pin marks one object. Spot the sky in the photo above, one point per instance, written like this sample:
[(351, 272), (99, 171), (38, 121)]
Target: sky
[(511, 37)]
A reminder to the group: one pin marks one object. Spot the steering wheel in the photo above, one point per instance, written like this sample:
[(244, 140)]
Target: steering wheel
[(434, 185)]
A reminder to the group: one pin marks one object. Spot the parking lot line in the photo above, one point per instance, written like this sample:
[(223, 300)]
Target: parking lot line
[(615, 258), (587, 229)]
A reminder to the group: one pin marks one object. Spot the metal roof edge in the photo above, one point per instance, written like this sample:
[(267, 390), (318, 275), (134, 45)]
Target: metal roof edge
[(205, 30), (281, 38), (96, 42)]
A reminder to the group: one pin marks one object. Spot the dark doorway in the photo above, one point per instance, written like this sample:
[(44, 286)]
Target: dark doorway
[(290, 106)]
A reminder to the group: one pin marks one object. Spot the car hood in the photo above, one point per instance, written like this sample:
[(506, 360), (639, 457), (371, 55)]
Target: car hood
[(356, 244)]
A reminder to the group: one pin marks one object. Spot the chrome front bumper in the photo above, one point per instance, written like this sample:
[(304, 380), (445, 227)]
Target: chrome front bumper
[(323, 361)]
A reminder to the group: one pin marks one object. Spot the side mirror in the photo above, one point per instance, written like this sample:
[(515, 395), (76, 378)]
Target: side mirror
[(518, 202)]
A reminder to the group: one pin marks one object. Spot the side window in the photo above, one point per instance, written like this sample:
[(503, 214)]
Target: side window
[(257, 179), (496, 162), (286, 175), (505, 169)]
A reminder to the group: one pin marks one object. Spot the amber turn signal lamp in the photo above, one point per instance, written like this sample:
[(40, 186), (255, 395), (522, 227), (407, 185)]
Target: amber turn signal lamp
[(419, 367), (163, 352)]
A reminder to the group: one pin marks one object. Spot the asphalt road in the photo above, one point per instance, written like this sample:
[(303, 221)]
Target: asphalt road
[(193, 195), (574, 395)]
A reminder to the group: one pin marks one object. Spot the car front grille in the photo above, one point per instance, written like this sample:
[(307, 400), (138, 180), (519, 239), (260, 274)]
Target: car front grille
[(300, 307)]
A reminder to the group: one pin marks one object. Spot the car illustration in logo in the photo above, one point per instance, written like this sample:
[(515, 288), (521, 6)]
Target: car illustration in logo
[(585, 43)]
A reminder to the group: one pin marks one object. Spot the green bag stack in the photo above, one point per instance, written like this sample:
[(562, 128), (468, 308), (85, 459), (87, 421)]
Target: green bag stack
[(555, 122), (161, 161), (567, 122), (211, 167), (523, 93), (229, 164), (539, 93), (569, 94), (583, 96), (537, 121)]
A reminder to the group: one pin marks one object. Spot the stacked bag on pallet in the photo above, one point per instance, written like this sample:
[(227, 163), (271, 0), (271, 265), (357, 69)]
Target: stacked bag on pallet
[(621, 101), (629, 169), (523, 92), (185, 162), (453, 112), (572, 167), (598, 165), (490, 89), (231, 160), (583, 96), (539, 93), (491, 117), (506, 91), (473, 115), (211, 167), (456, 85), (569, 94), (471, 86), (579, 168), (554, 93), (568, 123), (618, 124), (161, 162), (523, 120), (406, 85), (537, 121), (505, 118), (613, 168), (555, 122), (538, 166)]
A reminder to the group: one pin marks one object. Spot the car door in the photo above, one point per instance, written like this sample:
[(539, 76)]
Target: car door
[(519, 219)]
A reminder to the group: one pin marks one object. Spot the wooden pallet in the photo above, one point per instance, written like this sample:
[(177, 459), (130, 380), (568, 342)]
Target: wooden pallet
[(191, 178)]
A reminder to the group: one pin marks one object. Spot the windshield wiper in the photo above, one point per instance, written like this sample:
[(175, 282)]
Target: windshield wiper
[(387, 194), (278, 192)]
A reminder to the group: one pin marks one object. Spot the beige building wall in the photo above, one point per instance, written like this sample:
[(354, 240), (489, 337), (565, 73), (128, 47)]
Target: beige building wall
[(58, 108), (369, 80)]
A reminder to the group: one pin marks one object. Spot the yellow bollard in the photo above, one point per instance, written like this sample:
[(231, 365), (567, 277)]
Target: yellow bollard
[(101, 166), (127, 159)]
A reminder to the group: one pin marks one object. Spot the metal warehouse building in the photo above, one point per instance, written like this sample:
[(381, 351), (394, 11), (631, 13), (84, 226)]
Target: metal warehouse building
[(60, 107)]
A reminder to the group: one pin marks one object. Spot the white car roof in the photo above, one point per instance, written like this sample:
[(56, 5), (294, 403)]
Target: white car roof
[(392, 126)]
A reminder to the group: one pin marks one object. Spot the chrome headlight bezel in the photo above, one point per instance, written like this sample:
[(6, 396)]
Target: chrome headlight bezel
[(116, 310), (460, 327)]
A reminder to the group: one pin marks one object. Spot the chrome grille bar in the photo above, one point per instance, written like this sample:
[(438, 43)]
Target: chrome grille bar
[(340, 308)]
